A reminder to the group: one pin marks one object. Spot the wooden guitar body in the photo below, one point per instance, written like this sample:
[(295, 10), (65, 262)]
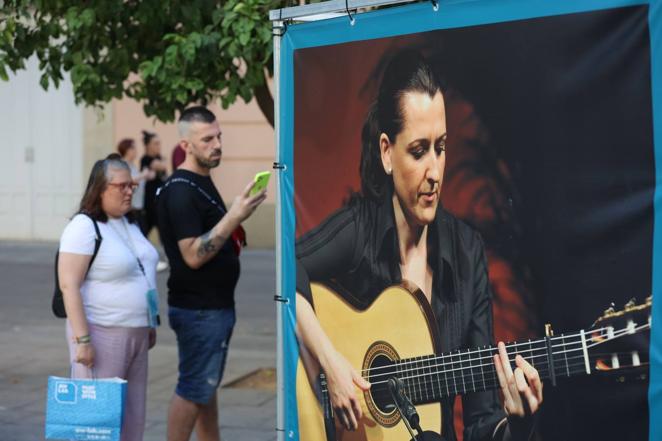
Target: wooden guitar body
[(399, 324), (395, 337)]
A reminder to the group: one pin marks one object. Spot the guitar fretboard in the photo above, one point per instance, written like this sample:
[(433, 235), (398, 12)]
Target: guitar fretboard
[(431, 378)]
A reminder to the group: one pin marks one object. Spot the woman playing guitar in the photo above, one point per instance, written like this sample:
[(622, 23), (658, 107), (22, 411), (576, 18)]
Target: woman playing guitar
[(396, 230)]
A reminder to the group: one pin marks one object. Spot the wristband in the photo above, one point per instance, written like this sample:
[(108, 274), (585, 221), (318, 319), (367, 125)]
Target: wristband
[(85, 339)]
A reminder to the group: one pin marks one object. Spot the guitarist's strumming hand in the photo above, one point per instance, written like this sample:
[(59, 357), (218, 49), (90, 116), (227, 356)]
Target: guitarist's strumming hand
[(343, 380), (522, 392)]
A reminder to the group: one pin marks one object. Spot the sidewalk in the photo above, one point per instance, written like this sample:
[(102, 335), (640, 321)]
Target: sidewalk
[(32, 347)]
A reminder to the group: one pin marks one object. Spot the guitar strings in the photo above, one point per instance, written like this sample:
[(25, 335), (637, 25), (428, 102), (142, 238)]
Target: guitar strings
[(493, 350), (543, 346), (461, 362), (452, 370), (541, 370), (509, 347), (490, 375), (490, 363), (424, 390), (489, 381)]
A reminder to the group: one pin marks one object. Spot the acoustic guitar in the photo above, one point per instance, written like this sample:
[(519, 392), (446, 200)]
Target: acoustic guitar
[(396, 336)]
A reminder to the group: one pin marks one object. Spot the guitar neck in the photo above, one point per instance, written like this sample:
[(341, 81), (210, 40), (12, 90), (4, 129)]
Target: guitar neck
[(433, 377)]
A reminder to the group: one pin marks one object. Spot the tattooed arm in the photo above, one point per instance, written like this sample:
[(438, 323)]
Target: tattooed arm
[(196, 251)]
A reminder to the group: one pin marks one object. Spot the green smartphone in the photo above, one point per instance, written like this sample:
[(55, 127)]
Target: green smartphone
[(261, 181)]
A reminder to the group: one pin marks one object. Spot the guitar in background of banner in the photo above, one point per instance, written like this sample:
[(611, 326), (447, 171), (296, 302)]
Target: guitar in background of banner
[(462, 175)]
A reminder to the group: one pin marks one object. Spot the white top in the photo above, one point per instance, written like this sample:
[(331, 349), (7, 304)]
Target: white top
[(115, 290), (138, 198)]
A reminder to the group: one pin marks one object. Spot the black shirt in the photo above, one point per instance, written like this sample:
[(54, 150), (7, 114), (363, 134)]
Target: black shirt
[(152, 185), (357, 248), (183, 212)]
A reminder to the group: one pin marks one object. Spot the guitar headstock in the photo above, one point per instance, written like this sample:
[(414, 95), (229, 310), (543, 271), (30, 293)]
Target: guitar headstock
[(630, 308), (613, 337)]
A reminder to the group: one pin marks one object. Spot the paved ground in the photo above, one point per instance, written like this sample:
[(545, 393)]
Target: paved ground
[(32, 347)]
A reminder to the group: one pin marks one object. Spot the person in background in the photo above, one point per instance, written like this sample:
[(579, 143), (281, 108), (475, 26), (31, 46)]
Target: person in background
[(127, 149), (152, 161), (178, 156), (108, 326)]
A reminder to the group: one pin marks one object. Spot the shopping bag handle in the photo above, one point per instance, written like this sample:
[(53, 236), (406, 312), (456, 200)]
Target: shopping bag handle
[(94, 375)]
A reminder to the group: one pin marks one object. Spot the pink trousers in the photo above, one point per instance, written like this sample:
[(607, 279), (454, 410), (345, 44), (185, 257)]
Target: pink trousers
[(119, 352)]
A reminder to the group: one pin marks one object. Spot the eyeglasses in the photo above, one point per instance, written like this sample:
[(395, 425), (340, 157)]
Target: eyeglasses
[(124, 186)]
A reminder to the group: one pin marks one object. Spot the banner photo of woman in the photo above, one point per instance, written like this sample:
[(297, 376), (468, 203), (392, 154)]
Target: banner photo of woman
[(469, 239)]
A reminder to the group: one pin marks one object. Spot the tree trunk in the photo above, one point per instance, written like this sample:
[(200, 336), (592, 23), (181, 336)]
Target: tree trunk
[(265, 101)]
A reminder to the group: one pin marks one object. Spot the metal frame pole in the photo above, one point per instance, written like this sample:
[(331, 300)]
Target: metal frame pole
[(280, 371)]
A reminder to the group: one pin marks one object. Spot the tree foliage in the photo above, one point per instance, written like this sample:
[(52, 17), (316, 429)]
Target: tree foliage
[(165, 54)]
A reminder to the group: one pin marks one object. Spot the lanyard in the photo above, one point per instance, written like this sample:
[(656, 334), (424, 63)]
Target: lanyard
[(238, 236), (128, 242), (197, 187)]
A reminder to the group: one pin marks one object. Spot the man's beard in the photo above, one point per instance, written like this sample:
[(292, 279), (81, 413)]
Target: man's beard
[(207, 163)]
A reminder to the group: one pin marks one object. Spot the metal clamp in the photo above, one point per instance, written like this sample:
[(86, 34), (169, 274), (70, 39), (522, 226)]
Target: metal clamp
[(281, 299), (352, 20), (279, 30), (279, 166)]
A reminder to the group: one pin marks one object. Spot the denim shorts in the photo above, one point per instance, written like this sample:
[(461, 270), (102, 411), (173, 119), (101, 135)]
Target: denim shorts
[(203, 336)]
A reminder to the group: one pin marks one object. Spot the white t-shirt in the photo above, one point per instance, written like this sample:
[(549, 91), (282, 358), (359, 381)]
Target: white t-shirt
[(115, 290)]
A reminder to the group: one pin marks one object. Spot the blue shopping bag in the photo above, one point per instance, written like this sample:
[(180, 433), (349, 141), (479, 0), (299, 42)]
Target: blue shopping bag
[(85, 409)]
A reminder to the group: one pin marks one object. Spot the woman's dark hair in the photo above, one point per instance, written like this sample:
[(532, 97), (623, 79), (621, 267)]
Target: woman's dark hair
[(97, 183), (125, 145), (407, 72), (147, 137)]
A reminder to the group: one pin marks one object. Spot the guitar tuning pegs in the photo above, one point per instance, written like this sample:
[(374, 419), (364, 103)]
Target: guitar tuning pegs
[(629, 305), (609, 310)]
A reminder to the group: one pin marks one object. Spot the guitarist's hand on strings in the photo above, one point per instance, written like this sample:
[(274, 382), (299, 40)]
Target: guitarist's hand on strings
[(522, 392), (343, 380)]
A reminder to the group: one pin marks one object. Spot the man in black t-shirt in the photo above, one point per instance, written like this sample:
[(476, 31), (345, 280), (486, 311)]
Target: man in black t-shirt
[(197, 231)]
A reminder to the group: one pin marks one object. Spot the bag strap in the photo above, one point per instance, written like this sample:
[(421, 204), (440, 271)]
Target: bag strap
[(238, 236), (211, 200), (97, 239)]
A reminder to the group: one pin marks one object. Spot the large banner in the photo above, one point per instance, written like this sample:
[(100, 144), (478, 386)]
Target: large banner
[(464, 175)]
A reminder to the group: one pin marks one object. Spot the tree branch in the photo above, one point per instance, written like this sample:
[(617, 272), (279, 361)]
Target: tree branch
[(265, 101)]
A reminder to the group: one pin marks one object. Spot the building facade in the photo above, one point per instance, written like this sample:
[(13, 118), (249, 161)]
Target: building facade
[(49, 144)]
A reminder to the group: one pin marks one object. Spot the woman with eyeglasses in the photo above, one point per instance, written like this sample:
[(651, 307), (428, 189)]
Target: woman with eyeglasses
[(110, 326)]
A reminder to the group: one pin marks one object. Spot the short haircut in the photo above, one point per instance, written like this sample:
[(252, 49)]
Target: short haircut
[(191, 115)]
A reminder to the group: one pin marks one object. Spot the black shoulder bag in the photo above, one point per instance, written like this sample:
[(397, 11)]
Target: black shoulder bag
[(57, 305)]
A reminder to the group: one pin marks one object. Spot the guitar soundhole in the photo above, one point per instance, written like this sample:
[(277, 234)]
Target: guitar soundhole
[(379, 374), (378, 366)]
